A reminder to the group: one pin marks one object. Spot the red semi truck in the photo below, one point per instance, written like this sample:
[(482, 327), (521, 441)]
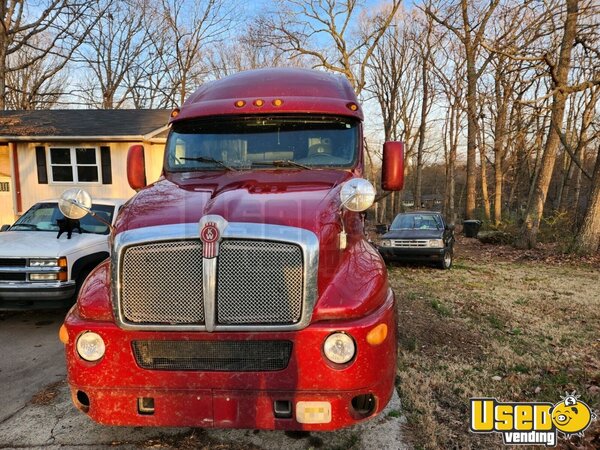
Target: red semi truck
[(241, 291)]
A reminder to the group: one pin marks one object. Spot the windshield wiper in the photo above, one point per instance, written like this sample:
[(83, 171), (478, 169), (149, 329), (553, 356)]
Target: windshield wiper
[(206, 159), (282, 163)]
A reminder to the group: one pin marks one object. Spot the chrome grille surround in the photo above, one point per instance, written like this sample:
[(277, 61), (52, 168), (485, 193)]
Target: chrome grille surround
[(303, 239), (409, 243)]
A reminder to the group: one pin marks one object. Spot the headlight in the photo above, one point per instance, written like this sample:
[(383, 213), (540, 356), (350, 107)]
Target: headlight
[(339, 348), (48, 262), (385, 243), (357, 194), (436, 243), (43, 276), (90, 346), (51, 262)]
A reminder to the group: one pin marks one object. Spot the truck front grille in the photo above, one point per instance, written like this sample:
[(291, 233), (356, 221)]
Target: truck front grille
[(13, 262), (238, 356), (162, 283), (13, 276), (259, 282), (408, 243)]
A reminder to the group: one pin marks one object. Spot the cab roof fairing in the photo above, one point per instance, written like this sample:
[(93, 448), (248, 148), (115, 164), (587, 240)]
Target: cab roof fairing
[(302, 91)]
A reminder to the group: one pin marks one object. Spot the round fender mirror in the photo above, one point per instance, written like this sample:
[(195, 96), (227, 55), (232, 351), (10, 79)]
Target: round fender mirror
[(75, 203)]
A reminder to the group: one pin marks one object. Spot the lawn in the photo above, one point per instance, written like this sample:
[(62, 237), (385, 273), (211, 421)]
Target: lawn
[(518, 326)]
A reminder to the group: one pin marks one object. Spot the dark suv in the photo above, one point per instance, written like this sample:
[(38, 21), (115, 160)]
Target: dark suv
[(419, 236)]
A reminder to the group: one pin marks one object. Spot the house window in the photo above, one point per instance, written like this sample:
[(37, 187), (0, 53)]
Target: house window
[(74, 165), (5, 186)]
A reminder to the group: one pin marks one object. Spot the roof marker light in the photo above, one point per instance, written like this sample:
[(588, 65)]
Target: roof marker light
[(352, 106), (174, 113), (277, 102), (240, 103), (259, 102)]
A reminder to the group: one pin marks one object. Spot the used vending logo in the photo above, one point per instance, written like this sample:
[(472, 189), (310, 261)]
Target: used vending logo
[(531, 423)]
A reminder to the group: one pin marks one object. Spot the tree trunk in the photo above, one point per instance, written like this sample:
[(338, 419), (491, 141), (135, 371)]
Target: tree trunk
[(499, 147), (588, 238), (472, 130), (422, 128), (531, 224), (2, 74), (483, 168)]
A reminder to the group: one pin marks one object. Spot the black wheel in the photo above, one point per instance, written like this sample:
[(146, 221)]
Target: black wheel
[(446, 262)]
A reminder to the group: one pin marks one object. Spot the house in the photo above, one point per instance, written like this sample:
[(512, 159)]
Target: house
[(43, 153)]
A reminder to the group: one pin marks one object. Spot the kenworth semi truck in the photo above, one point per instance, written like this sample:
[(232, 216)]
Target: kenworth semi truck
[(241, 291)]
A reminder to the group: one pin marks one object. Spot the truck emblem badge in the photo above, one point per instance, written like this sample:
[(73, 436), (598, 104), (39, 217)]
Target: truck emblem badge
[(211, 230), (209, 236)]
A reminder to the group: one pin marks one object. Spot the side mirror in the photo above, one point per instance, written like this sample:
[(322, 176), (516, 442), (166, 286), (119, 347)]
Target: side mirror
[(392, 171), (4, 227), (136, 167), (75, 203)]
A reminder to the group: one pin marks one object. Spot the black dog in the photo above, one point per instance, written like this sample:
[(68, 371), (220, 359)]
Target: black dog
[(67, 225)]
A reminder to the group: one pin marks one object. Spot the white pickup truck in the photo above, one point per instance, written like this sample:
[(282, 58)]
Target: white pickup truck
[(39, 269)]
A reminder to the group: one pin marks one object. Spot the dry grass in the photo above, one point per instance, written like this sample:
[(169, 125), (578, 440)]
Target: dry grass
[(535, 324)]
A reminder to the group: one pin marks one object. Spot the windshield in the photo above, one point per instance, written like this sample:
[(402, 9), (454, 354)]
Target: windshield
[(417, 222), (262, 142), (44, 217)]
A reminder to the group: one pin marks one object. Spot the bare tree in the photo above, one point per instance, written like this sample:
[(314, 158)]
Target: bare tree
[(559, 70), (322, 30), (248, 51), (393, 80), (190, 27), (39, 84), (468, 21), (53, 27), (115, 46)]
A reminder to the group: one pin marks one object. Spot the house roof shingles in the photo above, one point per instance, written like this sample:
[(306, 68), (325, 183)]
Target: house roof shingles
[(82, 122)]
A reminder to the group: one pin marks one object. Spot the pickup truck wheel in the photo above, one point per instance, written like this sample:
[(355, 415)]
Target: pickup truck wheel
[(446, 262)]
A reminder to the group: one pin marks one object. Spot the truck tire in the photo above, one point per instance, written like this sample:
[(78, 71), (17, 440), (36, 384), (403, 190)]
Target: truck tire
[(446, 262)]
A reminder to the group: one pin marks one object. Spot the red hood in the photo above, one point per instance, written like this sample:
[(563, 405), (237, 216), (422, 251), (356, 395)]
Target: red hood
[(298, 198)]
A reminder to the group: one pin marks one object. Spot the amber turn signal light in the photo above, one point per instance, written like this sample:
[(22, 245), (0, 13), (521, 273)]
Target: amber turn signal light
[(378, 334), (63, 335)]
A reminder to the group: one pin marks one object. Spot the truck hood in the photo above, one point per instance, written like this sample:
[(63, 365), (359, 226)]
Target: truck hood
[(33, 244), (307, 199)]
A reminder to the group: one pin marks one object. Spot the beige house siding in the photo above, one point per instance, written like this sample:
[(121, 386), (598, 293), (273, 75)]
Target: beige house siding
[(32, 191)]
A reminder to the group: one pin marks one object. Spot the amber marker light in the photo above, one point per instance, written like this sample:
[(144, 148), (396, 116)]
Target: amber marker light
[(63, 335), (239, 103), (174, 113), (378, 334), (277, 102), (352, 106), (259, 102), (62, 262)]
